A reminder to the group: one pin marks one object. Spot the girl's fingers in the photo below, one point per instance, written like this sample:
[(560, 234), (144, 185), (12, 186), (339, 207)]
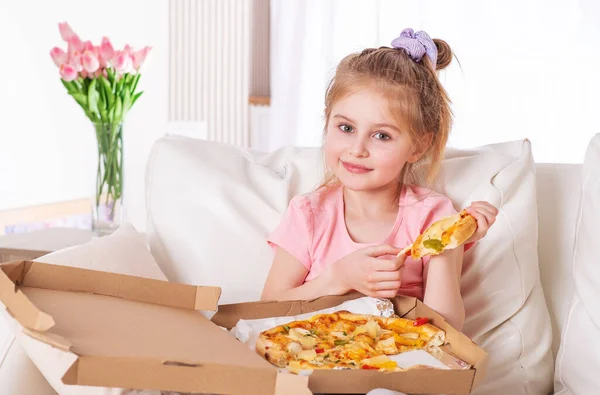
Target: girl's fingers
[(388, 265), (489, 215), (380, 250), (485, 206), (485, 214), (386, 294), (482, 223), (378, 277), (386, 286)]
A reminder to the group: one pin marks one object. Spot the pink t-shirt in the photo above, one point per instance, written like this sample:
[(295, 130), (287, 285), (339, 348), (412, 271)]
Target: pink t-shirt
[(313, 230)]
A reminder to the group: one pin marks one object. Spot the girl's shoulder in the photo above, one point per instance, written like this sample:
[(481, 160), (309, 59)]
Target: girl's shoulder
[(323, 199)]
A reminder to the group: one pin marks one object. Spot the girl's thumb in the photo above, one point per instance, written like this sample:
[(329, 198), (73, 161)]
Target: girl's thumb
[(384, 249)]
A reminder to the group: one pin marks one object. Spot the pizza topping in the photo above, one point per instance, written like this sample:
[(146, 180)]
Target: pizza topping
[(421, 321), (307, 355), (298, 333), (294, 348), (319, 350), (308, 342), (387, 346), (305, 337), (368, 367), (373, 328), (410, 335), (380, 362), (434, 244)]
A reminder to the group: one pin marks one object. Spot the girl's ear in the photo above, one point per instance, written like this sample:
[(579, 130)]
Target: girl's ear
[(419, 150)]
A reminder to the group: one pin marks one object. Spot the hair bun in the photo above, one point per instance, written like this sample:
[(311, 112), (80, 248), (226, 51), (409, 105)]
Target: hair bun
[(444, 54)]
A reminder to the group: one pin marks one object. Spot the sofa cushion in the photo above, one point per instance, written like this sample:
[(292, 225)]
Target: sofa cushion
[(211, 207), (558, 189), (123, 252), (578, 361)]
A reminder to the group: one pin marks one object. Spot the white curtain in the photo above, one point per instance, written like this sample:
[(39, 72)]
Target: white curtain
[(528, 69)]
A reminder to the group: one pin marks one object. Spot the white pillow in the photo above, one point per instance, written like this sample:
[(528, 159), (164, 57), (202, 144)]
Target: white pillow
[(578, 361), (123, 252), (211, 207)]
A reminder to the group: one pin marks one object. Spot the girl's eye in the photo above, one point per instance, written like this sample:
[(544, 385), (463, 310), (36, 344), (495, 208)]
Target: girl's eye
[(382, 136), (346, 128)]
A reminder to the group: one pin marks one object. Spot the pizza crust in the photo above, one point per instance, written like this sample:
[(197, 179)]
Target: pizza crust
[(272, 352)]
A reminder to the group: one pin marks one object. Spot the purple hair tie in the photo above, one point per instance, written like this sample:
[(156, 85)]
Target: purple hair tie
[(416, 45)]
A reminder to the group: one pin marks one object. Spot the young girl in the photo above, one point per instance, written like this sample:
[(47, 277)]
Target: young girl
[(386, 113)]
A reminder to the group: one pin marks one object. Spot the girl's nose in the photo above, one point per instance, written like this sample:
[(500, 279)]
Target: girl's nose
[(359, 148)]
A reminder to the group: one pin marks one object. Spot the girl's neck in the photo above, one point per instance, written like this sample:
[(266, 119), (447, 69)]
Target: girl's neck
[(372, 203)]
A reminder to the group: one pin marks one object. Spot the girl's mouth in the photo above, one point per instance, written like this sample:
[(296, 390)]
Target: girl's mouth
[(354, 168)]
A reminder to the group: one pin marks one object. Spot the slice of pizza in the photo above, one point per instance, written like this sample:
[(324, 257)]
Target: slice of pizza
[(446, 234), (343, 340)]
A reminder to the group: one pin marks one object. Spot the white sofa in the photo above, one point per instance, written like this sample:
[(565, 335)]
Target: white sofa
[(173, 180)]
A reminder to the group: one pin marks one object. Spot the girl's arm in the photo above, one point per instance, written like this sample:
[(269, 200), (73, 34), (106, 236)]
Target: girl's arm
[(441, 278), (362, 270), (441, 275), (286, 280)]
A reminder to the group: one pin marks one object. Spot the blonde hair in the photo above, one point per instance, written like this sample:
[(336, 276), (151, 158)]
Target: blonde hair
[(418, 101)]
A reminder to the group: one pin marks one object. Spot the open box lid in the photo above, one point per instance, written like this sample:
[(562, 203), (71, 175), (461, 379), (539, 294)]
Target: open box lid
[(136, 333)]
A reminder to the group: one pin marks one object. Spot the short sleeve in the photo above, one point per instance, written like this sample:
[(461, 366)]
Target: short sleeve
[(437, 208), (295, 231)]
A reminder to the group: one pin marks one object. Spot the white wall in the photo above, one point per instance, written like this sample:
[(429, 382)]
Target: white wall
[(47, 146), (530, 69)]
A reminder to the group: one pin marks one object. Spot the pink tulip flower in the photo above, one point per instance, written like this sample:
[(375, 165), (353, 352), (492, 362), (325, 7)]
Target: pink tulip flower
[(88, 46), (58, 56), (75, 60), (76, 44), (66, 32), (107, 52), (140, 56), (122, 62), (90, 62), (67, 72)]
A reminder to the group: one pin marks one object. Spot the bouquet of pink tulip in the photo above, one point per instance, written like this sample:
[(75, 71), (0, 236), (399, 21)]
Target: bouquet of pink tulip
[(103, 81)]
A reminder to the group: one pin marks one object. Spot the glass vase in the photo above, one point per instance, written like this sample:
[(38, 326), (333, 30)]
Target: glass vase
[(107, 202)]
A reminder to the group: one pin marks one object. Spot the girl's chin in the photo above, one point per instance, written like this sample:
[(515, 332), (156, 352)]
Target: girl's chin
[(361, 183)]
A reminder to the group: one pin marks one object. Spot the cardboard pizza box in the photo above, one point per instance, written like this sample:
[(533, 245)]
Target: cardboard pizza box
[(136, 333), (416, 381)]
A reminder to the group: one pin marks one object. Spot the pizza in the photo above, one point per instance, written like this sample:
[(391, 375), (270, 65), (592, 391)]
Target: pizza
[(446, 234), (343, 340)]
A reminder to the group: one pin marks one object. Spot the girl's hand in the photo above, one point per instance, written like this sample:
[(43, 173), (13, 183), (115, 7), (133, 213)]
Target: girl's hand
[(485, 214), (364, 271)]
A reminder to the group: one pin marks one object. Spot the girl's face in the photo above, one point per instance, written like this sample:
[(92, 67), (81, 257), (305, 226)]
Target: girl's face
[(364, 146)]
